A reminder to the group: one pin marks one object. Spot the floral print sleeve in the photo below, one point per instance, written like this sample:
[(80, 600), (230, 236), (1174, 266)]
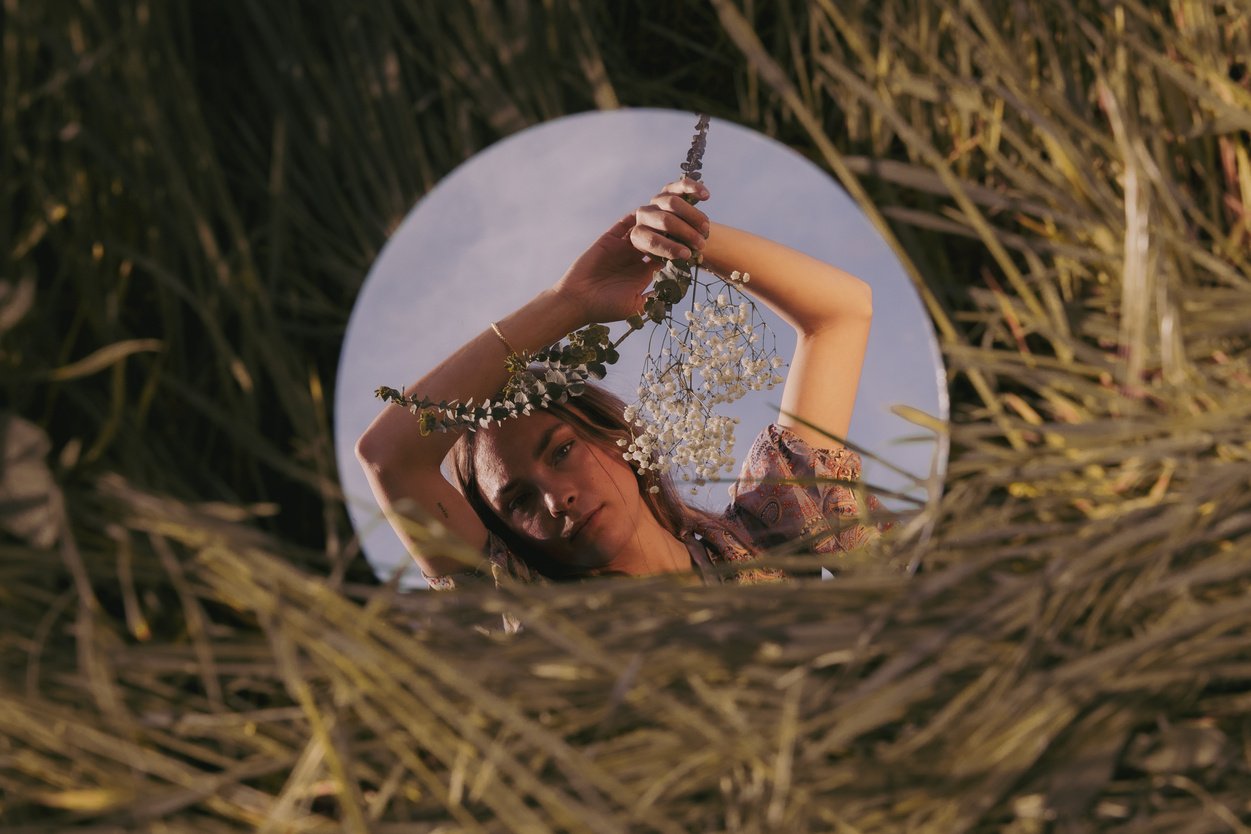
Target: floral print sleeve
[(788, 490)]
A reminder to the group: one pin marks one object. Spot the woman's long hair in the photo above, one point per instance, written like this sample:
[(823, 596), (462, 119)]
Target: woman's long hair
[(596, 415)]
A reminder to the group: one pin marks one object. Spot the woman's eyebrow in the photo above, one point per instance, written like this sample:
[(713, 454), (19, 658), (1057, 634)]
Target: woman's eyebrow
[(544, 439)]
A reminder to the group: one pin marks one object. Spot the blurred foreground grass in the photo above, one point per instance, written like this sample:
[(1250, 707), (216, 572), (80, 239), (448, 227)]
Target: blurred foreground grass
[(190, 640)]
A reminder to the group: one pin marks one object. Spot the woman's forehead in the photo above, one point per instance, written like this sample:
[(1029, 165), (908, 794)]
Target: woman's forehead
[(505, 449)]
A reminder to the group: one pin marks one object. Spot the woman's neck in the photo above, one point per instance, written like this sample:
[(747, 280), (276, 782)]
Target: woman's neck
[(654, 550)]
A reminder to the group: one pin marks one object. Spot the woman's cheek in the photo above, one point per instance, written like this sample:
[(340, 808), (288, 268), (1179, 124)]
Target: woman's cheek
[(535, 529), (530, 529)]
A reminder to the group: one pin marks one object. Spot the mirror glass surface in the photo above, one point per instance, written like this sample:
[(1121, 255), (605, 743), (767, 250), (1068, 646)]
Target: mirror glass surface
[(507, 223)]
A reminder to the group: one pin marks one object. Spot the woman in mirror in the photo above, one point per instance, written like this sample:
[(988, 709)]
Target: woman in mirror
[(550, 495)]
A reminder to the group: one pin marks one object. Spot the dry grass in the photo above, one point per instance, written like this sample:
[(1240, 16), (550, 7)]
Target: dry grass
[(190, 641)]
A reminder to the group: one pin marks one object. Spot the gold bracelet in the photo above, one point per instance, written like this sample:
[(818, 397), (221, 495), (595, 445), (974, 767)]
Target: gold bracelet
[(511, 350)]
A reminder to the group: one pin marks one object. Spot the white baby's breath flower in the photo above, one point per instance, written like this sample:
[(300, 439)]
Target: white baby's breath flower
[(713, 359)]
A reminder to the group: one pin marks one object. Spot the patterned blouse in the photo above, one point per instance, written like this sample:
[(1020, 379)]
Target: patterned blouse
[(786, 491)]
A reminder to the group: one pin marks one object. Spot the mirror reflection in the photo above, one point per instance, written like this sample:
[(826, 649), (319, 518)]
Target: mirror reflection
[(564, 225)]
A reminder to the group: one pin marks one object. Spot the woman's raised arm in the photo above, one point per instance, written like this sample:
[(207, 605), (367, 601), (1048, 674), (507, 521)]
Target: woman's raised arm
[(830, 309), (403, 466)]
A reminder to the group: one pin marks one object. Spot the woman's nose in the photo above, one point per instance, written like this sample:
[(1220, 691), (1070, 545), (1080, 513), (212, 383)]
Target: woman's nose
[(558, 499)]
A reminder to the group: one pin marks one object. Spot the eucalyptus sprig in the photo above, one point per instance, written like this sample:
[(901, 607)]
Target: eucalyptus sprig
[(553, 374)]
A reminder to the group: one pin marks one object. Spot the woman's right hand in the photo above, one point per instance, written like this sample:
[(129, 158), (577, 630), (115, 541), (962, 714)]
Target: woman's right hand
[(607, 282)]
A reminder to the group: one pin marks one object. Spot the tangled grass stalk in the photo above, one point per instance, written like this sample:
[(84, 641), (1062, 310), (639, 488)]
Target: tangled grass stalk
[(190, 643)]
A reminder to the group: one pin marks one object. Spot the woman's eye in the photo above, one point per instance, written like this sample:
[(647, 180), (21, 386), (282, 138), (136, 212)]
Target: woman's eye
[(563, 451), (515, 503)]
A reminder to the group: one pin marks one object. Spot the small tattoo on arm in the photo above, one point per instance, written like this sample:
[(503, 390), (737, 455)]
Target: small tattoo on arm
[(442, 509)]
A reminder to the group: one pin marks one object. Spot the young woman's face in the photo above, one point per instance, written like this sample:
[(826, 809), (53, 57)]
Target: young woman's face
[(577, 502)]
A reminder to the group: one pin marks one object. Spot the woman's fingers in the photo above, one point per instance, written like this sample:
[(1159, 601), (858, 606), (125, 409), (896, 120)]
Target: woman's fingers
[(622, 227), (680, 197), (651, 242), (670, 226), (685, 186), (675, 204), (686, 231)]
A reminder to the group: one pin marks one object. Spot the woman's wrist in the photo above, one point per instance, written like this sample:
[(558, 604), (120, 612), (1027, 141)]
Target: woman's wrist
[(545, 319), (808, 294), (566, 310)]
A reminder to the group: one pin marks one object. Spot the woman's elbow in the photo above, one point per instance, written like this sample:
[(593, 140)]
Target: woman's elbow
[(860, 300), (388, 448), (853, 304), (371, 450)]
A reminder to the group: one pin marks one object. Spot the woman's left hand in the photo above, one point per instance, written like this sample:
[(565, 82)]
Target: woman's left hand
[(670, 226), (607, 282)]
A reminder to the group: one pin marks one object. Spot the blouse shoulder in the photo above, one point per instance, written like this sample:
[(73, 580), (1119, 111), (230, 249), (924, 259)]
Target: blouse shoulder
[(789, 490)]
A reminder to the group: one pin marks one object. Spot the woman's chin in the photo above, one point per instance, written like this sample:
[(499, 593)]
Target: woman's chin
[(588, 557), (598, 553)]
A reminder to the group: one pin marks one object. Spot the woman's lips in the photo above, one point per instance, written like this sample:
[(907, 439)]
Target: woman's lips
[(585, 522)]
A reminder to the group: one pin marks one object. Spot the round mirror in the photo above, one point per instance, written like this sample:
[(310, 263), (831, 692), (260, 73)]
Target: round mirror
[(508, 222)]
